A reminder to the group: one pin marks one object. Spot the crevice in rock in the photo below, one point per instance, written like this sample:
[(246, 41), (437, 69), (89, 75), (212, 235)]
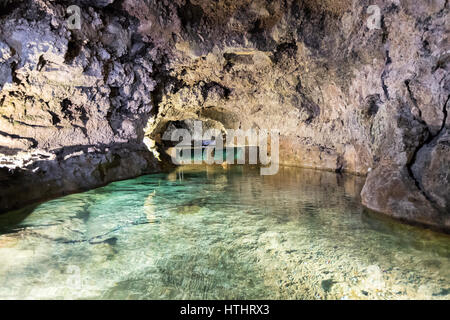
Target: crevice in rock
[(41, 63), (426, 143), (414, 178), (384, 75), (15, 136), (11, 120), (413, 99), (65, 108), (84, 130), (385, 32), (73, 49), (55, 118), (15, 79), (444, 111)]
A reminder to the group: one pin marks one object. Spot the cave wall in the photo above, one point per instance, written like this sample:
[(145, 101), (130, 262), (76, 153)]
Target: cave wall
[(344, 97), (73, 103)]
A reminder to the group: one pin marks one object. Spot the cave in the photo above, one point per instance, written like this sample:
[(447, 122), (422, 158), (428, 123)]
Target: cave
[(227, 149)]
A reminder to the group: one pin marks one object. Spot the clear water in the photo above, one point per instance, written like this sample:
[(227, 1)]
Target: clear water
[(212, 233)]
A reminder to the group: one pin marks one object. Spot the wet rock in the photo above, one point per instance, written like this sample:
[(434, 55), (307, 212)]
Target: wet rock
[(432, 170), (394, 192)]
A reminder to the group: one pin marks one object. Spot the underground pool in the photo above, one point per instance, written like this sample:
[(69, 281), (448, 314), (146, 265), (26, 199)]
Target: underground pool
[(219, 233)]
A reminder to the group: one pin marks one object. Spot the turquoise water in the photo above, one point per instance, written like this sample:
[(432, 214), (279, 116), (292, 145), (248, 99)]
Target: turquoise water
[(214, 233)]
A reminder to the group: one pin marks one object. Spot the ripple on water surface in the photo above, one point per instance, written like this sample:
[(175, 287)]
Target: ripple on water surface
[(211, 233)]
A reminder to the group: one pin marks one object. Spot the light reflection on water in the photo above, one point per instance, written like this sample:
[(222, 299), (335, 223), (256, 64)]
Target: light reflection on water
[(211, 233)]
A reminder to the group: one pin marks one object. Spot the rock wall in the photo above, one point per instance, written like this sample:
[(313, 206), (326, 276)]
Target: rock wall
[(344, 96), (74, 103)]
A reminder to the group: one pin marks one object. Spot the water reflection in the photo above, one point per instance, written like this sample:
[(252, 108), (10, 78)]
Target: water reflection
[(208, 233)]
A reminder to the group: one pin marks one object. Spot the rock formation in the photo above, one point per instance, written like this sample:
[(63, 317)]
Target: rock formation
[(347, 93)]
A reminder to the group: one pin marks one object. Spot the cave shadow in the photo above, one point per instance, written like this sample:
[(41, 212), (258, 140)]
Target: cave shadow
[(10, 220), (20, 187)]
